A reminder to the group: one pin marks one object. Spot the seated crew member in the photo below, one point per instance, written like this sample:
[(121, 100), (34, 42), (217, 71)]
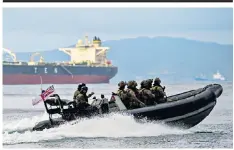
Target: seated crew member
[(135, 89), (123, 94), (82, 98), (131, 95), (158, 91), (145, 93), (77, 92)]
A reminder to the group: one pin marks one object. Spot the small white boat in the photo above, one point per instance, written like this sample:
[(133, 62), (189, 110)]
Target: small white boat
[(218, 76)]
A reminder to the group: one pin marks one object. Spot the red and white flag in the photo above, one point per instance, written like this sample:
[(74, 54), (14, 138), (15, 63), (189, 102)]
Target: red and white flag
[(49, 91)]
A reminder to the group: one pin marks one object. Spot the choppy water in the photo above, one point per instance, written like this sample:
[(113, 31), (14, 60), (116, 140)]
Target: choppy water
[(115, 130)]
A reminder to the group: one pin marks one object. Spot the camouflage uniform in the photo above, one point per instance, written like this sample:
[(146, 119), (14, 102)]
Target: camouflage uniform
[(149, 83), (123, 94), (158, 91), (135, 89), (146, 95), (77, 92), (131, 91), (82, 98)]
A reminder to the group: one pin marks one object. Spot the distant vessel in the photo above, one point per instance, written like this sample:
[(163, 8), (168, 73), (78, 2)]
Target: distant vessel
[(88, 64), (202, 77), (218, 76)]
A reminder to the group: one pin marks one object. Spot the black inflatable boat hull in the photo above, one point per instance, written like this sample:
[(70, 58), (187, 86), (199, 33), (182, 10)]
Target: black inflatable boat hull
[(183, 110), (47, 124)]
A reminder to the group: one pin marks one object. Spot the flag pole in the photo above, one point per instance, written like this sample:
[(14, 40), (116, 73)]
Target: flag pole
[(45, 103), (41, 82)]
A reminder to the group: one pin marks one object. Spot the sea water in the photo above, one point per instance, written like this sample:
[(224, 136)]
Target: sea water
[(114, 130)]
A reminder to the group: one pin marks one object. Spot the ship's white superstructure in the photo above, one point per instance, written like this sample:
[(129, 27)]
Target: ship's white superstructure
[(218, 76), (91, 52)]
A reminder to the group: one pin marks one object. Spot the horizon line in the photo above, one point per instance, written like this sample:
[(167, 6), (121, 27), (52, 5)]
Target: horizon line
[(127, 38)]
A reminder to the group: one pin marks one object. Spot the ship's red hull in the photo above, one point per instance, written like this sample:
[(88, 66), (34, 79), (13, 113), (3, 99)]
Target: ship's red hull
[(15, 79)]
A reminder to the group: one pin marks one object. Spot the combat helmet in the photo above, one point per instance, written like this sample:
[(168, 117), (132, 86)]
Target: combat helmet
[(121, 84), (157, 81), (84, 89), (80, 86), (131, 84), (143, 84), (134, 83), (149, 82)]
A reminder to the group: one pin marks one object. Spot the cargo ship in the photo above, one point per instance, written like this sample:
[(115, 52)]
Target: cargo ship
[(88, 64)]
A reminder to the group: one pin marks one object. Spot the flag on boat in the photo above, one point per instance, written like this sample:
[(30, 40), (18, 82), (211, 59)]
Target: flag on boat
[(49, 91)]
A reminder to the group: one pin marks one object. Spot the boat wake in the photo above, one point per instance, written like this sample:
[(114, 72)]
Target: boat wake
[(112, 125), (22, 125)]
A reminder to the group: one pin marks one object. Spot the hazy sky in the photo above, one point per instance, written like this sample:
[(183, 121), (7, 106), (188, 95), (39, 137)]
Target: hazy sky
[(35, 29)]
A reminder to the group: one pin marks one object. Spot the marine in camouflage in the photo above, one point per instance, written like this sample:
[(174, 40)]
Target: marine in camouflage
[(158, 91), (145, 93), (131, 91)]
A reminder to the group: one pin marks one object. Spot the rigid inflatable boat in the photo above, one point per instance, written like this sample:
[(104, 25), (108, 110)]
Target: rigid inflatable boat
[(184, 110)]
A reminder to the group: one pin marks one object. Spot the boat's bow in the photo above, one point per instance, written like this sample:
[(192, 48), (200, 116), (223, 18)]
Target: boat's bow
[(217, 89)]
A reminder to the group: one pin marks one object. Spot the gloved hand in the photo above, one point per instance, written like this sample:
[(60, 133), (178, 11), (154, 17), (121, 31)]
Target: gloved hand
[(92, 93)]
